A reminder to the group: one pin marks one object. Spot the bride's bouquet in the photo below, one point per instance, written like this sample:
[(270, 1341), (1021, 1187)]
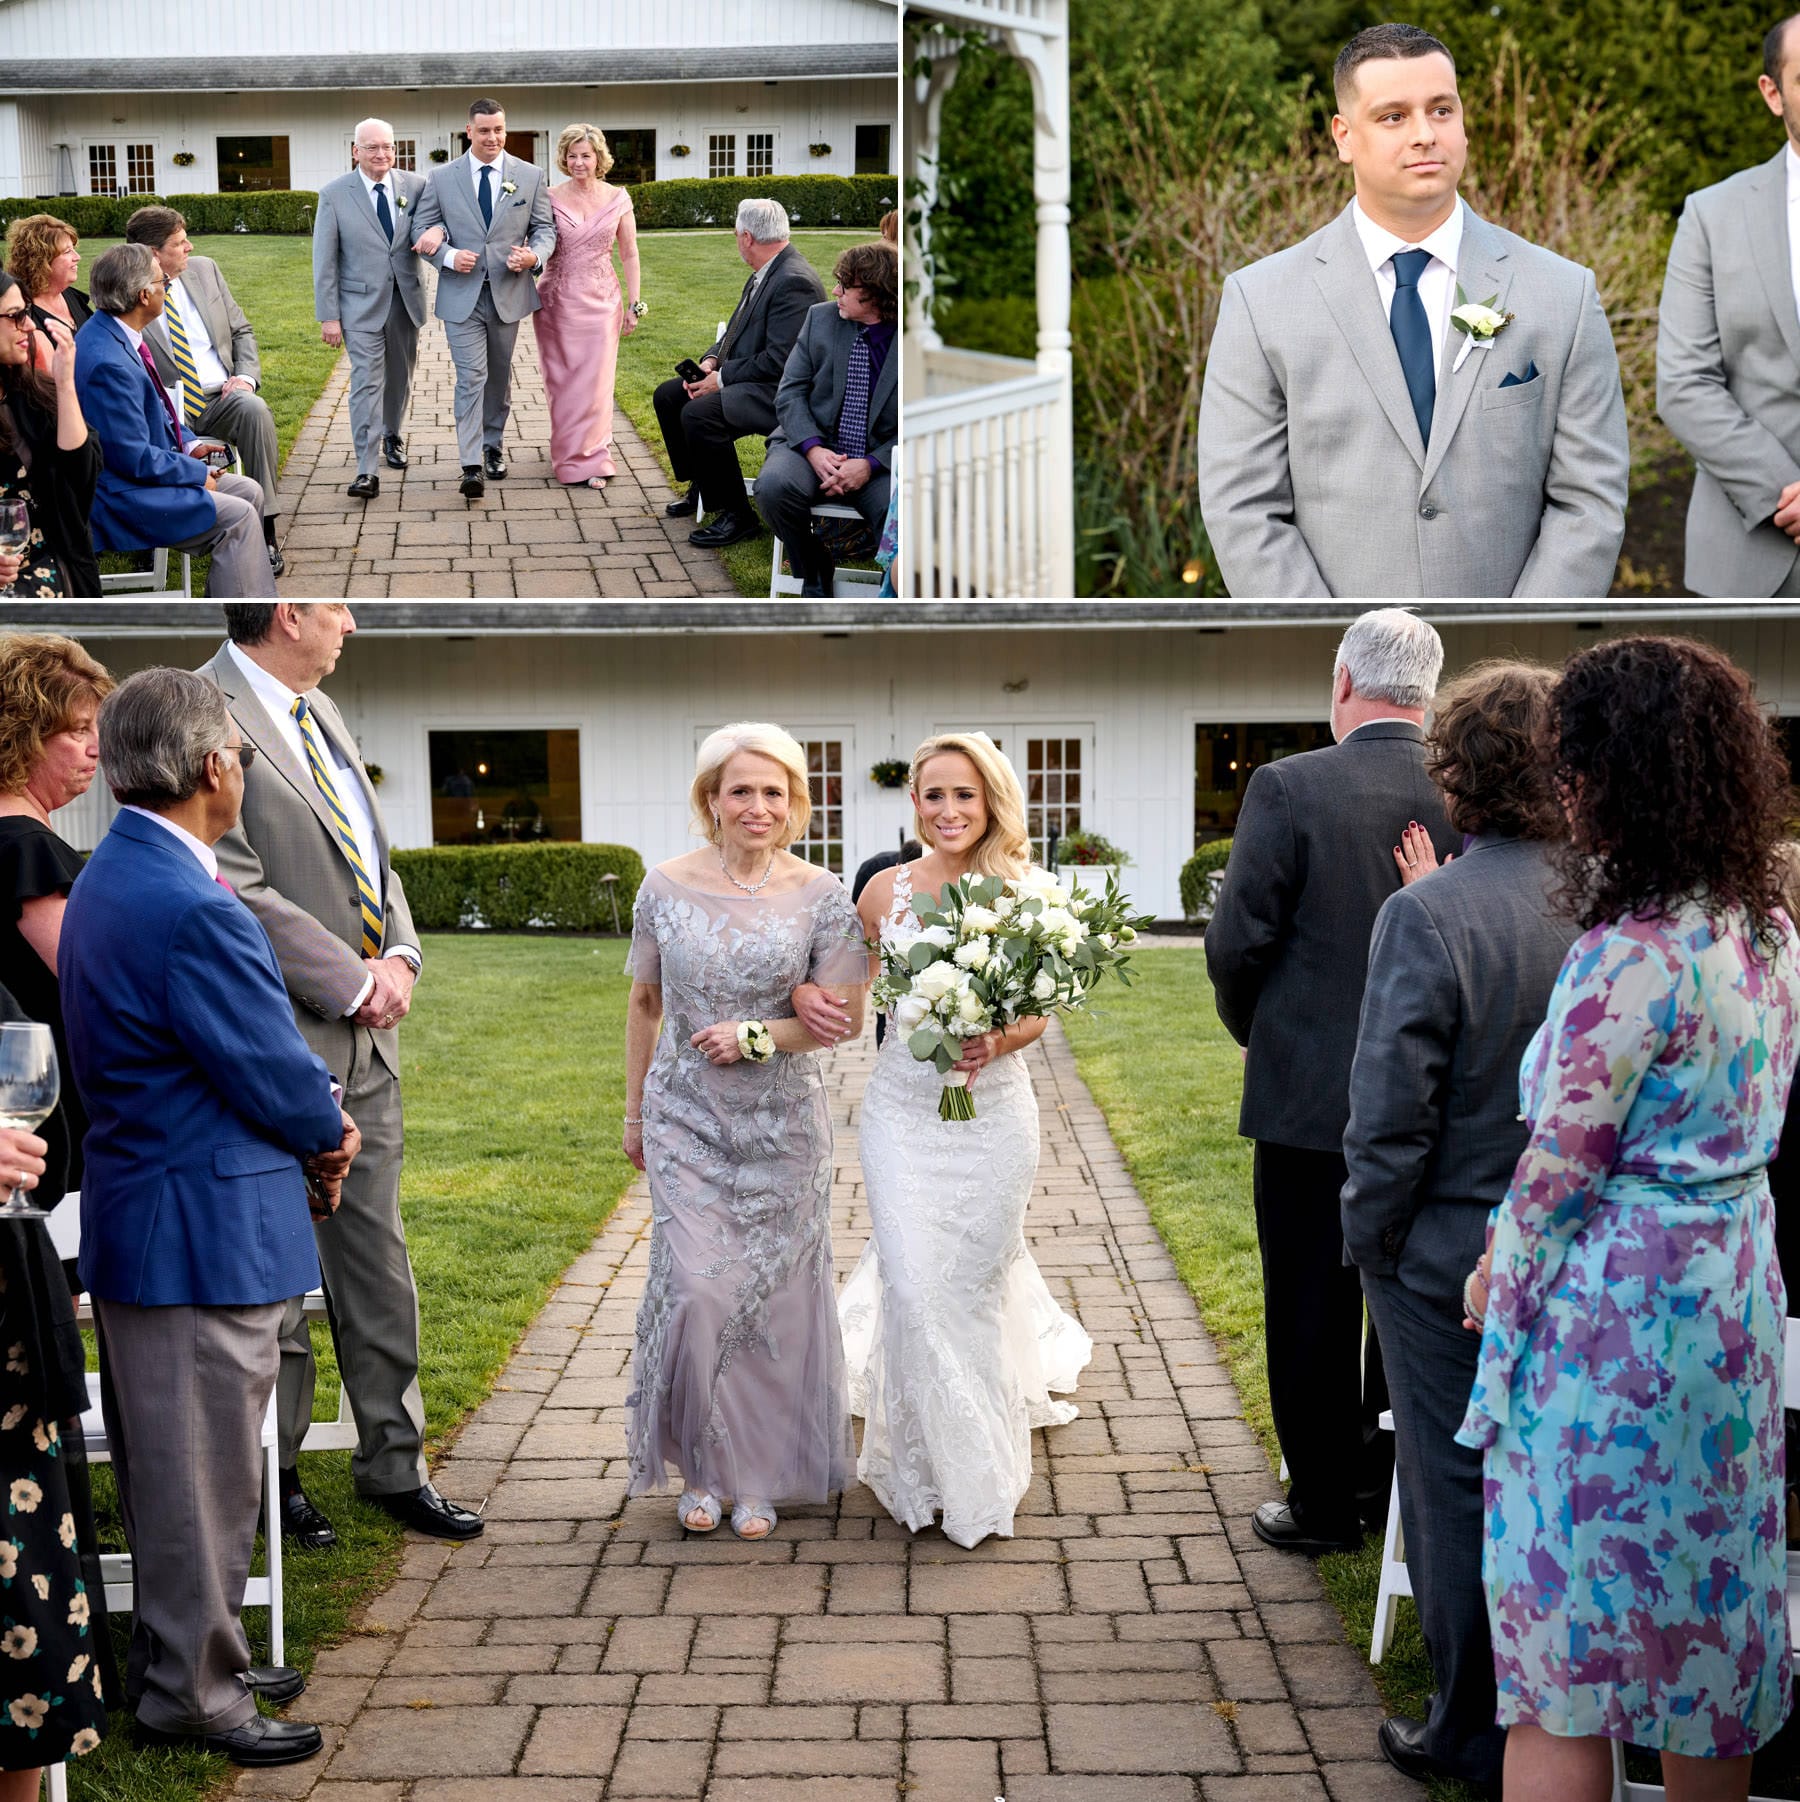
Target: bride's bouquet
[(995, 950)]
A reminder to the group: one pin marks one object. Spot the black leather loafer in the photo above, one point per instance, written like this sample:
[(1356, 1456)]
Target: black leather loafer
[(275, 1683), (259, 1741), (393, 448), (684, 506), (425, 1511), (1402, 1743), (1275, 1525), (472, 484), (364, 488), (494, 464), (277, 562), (302, 1525), (728, 528)]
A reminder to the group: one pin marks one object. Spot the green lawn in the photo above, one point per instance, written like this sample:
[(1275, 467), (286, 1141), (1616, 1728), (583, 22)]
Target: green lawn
[(515, 1085), (690, 280)]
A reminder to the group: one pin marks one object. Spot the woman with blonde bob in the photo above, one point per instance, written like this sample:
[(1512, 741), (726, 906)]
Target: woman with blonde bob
[(953, 1339), (738, 1375)]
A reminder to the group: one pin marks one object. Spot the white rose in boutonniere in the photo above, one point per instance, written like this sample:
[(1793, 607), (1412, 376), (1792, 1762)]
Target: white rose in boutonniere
[(509, 187), (1479, 321), (400, 202)]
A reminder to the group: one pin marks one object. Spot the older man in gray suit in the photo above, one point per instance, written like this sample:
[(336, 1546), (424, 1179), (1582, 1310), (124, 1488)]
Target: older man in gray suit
[(1461, 967), (487, 218), (1728, 356), (1354, 439), (309, 857), (367, 295)]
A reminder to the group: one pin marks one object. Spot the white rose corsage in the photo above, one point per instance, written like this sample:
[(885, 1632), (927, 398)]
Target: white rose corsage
[(756, 1044), (509, 187), (1479, 321), (400, 202)]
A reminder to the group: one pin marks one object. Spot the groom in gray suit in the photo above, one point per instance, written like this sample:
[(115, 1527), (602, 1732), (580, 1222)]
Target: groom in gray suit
[(1728, 357), (486, 218), (1354, 438), (367, 295)]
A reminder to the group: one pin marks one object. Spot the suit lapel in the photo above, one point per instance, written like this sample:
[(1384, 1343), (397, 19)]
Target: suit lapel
[(1354, 305), (204, 293), (1483, 269), (1769, 245), (254, 721)]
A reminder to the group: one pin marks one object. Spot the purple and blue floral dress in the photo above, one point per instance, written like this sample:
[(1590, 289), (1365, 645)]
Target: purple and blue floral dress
[(1629, 1391)]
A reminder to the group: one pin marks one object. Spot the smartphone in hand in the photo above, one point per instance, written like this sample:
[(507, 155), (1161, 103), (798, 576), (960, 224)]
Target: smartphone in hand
[(689, 370)]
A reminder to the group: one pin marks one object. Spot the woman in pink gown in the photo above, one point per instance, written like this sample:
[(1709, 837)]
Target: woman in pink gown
[(583, 313)]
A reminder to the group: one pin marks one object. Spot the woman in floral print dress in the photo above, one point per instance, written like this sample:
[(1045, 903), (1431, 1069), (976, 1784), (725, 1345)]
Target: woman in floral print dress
[(1629, 1391)]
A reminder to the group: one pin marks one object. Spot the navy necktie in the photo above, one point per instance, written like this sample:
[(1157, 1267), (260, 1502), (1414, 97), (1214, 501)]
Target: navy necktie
[(853, 416), (487, 194), (1412, 337), (381, 210)]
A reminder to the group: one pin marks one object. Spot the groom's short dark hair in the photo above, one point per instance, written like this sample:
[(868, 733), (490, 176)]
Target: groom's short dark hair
[(1378, 43), (1775, 48), (485, 108)]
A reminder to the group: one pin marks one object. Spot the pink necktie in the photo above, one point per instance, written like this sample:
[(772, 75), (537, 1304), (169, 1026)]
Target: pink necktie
[(226, 886), (149, 363)]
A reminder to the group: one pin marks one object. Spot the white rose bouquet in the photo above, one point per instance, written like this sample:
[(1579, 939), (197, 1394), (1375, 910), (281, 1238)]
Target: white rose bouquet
[(997, 950)]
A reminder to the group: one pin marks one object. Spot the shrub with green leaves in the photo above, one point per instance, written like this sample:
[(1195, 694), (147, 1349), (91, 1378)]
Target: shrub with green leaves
[(559, 887), (811, 200), (1207, 858)]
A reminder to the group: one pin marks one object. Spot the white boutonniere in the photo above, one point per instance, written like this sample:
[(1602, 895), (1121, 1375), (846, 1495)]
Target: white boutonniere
[(1479, 321), (509, 187), (400, 202)]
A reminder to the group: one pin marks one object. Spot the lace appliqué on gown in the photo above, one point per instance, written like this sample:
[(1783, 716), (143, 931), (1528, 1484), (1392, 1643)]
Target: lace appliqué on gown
[(953, 1340)]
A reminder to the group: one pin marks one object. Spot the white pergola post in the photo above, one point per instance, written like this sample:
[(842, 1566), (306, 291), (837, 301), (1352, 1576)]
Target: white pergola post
[(924, 126)]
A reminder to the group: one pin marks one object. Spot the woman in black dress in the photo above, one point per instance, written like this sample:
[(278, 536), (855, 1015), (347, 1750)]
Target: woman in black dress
[(48, 457), (42, 253)]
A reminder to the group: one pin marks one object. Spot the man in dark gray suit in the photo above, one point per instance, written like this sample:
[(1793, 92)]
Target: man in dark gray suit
[(1310, 867), (735, 396), (1460, 972)]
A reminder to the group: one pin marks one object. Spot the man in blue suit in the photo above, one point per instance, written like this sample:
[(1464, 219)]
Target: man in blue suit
[(152, 490), (207, 1116)]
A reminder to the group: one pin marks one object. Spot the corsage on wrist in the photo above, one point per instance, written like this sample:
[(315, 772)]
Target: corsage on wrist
[(756, 1044)]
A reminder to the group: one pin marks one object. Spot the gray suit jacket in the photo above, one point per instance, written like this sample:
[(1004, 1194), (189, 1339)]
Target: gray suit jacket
[(288, 866), (811, 394), (1311, 863), (762, 329), (1728, 377), (1461, 967), (520, 218), (1313, 478), (225, 325), (355, 269)]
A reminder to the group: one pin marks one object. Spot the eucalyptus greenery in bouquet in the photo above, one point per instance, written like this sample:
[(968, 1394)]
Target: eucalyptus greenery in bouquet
[(994, 950)]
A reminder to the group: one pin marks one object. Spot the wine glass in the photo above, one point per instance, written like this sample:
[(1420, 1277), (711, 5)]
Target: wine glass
[(15, 532), (29, 1087)]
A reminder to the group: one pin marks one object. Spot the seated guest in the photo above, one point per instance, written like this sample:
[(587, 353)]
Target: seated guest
[(890, 229), (48, 457), (152, 491), (203, 341), (735, 397), (838, 407), (1461, 965), (204, 1104), (41, 254)]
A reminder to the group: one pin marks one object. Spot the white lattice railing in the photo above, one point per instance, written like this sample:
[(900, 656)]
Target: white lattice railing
[(1026, 15), (986, 491)]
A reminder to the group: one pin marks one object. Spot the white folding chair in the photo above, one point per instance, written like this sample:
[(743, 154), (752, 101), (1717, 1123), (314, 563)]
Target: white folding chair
[(337, 1435), (1395, 1579), (845, 583), (56, 1784)]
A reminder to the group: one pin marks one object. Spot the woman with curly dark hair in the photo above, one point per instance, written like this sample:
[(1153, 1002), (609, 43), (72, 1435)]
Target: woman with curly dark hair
[(1628, 1396)]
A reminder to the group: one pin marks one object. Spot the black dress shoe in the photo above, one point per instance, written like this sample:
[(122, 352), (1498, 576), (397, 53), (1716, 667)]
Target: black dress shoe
[(302, 1525), (425, 1511), (1402, 1742), (728, 528), (472, 484), (1275, 1525), (494, 464), (275, 1683), (364, 488), (277, 562), (684, 506), (259, 1741), (393, 448)]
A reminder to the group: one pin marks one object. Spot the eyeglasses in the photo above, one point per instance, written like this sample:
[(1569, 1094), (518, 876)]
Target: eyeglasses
[(246, 753), (17, 316)]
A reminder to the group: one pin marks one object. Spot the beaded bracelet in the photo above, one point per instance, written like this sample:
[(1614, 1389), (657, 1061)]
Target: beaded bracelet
[(1469, 1308)]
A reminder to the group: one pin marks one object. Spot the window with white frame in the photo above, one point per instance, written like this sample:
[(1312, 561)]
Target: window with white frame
[(823, 843), (140, 168), (721, 154), (103, 169), (406, 153), (759, 153)]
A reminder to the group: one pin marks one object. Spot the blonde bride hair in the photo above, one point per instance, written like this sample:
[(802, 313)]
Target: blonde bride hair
[(1004, 849), (762, 740)]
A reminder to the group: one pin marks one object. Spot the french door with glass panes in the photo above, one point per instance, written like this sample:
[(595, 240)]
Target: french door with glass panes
[(830, 767), (1055, 767), (121, 167)]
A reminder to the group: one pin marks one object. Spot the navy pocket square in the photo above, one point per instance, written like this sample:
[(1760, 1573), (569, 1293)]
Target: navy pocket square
[(1514, 380)]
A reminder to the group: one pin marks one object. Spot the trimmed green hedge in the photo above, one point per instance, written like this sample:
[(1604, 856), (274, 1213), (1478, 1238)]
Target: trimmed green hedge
[(101, 216), (508, 887), (1206, 859)]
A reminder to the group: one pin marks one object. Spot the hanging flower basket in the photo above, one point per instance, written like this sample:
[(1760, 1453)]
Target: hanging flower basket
[(819, 149), (679, 150), (375, 773), (440, 155), (890, 772), (183, 159)]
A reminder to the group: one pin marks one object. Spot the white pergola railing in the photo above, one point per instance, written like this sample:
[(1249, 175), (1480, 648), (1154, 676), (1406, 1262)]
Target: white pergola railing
[(989, 503)]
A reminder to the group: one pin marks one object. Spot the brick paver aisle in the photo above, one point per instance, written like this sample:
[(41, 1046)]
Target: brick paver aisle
[(1133, 1643), (527, 536)]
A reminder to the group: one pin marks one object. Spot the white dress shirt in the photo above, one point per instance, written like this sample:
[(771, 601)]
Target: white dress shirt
[(1793, 221), (447, 256), (393, 198), (202, 851), (207, 364), (1437, 286), (1385, 719)]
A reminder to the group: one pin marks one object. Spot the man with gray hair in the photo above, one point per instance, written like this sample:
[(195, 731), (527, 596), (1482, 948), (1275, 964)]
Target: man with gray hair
[(367, 295), (1311, 863), (734, 396), (213, 1134), (153, 489)]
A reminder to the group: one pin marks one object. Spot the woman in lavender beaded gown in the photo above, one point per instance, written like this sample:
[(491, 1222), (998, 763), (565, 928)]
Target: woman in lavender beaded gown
[(738, 1374), (582, 314)]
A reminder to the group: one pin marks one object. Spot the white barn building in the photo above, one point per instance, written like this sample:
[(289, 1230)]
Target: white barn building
[(1141, 721), (100, 98)]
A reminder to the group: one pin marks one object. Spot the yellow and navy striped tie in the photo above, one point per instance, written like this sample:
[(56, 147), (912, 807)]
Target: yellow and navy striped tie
[(183, 352), (321, 769)]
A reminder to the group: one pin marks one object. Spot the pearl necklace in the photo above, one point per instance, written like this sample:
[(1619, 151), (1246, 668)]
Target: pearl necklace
[(749, 888)]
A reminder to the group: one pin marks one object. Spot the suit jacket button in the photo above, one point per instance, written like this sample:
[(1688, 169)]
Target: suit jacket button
[(1427, 511)]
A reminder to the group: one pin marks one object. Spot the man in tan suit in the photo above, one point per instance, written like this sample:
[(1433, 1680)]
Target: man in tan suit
[(309, 857)]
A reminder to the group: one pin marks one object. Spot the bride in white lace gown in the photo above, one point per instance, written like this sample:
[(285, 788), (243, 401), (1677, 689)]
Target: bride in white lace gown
[(953, 1341)]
